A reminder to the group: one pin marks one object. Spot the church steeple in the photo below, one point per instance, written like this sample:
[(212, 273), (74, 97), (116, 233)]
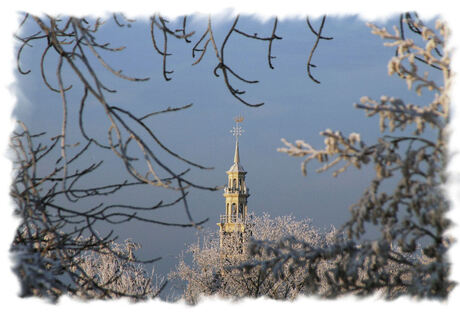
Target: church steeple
[(236, 195)]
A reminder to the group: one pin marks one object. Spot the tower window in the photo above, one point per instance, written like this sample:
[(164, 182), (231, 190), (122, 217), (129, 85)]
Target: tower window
[(234, 183), (233, 212)]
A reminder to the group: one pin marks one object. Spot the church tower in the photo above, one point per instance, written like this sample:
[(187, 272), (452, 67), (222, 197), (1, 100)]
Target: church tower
[(233, 223)]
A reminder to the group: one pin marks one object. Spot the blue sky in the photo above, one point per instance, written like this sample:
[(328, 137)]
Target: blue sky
[(351, 65)]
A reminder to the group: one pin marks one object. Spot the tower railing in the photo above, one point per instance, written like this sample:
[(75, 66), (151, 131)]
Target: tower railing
[(231, 190), (232, 219)]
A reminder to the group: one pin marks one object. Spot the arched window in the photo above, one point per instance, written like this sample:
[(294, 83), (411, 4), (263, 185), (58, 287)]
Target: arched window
[(233, 212), (239, 183), (234, 183), (240, 211)]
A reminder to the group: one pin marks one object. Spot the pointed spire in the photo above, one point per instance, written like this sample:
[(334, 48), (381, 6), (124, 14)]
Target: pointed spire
[(237, 131), (236, 159)]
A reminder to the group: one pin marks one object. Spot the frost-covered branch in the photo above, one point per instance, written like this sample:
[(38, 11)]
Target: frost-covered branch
[(411, 219)]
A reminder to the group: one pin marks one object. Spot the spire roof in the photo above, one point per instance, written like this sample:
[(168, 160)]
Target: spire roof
[(236, 159), (236, 167)]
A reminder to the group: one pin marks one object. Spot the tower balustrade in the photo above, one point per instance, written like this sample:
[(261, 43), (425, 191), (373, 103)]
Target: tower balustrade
[(233, 190), (226, 218)]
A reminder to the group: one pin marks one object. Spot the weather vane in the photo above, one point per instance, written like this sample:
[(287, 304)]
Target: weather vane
[(237, 130)]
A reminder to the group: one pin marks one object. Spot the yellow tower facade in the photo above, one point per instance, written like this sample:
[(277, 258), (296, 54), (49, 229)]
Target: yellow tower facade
[(236, 193)]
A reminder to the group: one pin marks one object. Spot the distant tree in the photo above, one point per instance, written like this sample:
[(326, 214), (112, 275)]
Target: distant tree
[(412, 218), (265, 269), (120, 276), (212, 272)]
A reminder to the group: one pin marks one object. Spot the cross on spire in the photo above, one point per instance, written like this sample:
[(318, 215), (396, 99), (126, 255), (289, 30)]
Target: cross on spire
[(237, 130)]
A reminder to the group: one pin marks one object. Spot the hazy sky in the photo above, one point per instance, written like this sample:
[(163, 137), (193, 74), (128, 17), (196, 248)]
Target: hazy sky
[(350, 66)]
